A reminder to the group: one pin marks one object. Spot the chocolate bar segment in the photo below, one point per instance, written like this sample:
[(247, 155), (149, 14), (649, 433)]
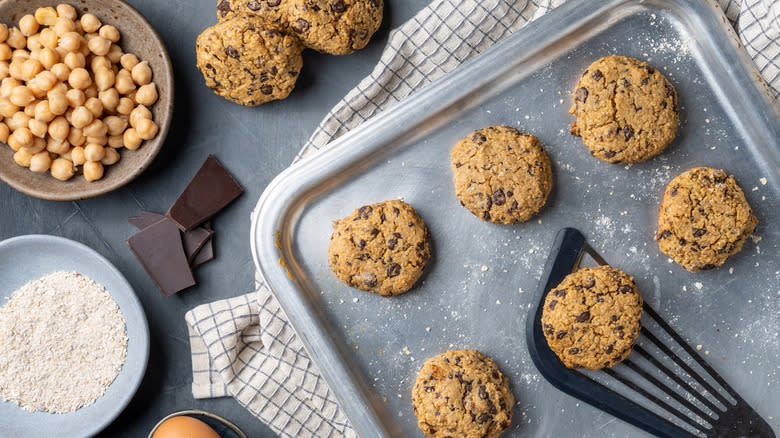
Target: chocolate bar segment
[(192, 240), (210, 191), (159, 249), (206, 254)]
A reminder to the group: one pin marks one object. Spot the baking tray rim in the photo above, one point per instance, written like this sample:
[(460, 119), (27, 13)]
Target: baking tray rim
[(280, 204)]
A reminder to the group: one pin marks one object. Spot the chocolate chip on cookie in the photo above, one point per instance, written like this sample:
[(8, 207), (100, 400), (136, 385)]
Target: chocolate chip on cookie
[(462, 393), (703, 219), (626, 110), (501, 175), (591, 319), (380, 248)]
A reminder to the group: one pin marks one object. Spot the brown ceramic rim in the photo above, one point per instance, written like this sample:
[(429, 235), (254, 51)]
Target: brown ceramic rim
[(155, 144), (201, 413)]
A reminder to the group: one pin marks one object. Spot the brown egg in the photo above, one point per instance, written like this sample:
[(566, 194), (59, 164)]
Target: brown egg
[(184, 427)]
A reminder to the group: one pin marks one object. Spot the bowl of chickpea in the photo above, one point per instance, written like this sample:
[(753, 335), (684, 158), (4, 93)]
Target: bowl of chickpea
[(86, 97)]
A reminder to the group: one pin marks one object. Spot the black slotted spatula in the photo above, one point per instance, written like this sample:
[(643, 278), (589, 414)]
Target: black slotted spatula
[(663, 387)]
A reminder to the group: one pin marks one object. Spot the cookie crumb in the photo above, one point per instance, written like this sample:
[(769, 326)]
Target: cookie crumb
[(355, 300), (698, 347), (763, 181), (484, 268), (698, 285)]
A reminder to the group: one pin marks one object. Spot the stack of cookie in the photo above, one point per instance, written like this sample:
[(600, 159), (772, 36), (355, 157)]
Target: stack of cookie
[(253, 55)]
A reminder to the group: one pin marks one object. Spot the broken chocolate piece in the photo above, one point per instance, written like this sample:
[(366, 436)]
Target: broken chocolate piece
[(192, 240), (159, 249), (206, 254), (210, 190)]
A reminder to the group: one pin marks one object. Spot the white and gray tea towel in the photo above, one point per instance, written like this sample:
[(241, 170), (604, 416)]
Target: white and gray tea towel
[(244, 347)]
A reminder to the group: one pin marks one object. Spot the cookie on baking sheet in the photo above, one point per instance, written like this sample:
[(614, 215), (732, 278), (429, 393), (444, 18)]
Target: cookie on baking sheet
[(248, 60), (591, 319), (703, 219), (338, 27), (626, 110), (380, 248), (270, 10), (501, 175), (462, 394)]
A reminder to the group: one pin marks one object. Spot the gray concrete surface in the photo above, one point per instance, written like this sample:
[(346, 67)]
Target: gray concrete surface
[(255, 144)]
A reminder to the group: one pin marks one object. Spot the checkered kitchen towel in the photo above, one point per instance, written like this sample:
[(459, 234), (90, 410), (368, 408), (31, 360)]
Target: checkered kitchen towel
[(244, 347)]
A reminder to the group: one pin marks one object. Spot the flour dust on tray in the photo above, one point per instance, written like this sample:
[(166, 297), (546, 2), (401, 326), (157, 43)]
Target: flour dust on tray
[(62, 342)]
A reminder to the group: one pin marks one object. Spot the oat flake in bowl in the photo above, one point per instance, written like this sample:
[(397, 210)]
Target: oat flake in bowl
[(62, 342)]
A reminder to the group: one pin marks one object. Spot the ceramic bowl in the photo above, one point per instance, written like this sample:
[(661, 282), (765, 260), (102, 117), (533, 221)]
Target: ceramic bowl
[(137, 37)]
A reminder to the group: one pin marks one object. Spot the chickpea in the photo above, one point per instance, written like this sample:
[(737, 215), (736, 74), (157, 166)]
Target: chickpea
[(146, 129), (131, 139), (15, 69), (84, 47), (5, 52), (3, 70), (4, 132), (115, 125), (3, 32), (96, 129), (22, 158), (111, 157), (104, 78), (91, 91), (90, 23), (78, 156), (29, 109), (7, 109), (7, 85), (21, 96), (79, 79), (63, 26), (75, 60), (76, 98), (146, 94), (116, 141), (37, 145), (125, 106), (81, 117), (18, 121), (93, 170), (128, 61), (40, 162), (34, 43), (76, 137), (100, 62), (140, 112), (16, 38), (110, 99), (115, 53), (68, 11), (58, 104), (38, 128), (23, 137), (94, 152), (48, 38), (99, 46), (62, 169), (46, 16), (61, 71), (57, 146), (71, 42), (95, 106), (142, 73), (124, 82), (59, 128), (48, 58), (43, 112), (13, 144), (28, 25), (30, 68), (101, 140), (45, 80)]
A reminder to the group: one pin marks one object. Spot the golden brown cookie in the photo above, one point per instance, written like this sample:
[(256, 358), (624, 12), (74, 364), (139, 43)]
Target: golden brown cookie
[(591, 319), (248, 60), (270, 10), (703, 219), (338, 27), (380, 248), (462, 394), (626, 110), (501, 175)]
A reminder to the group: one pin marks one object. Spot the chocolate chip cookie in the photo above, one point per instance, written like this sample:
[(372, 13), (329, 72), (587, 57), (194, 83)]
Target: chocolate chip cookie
[(703, 219), (591, 319), (462, 394), (270, 10), (249, 61), (338, 27), (501, 175), (380, 248), (626, 110)]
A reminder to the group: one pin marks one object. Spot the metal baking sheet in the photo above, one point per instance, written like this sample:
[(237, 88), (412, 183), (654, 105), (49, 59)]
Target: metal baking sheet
[(477, 289)]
